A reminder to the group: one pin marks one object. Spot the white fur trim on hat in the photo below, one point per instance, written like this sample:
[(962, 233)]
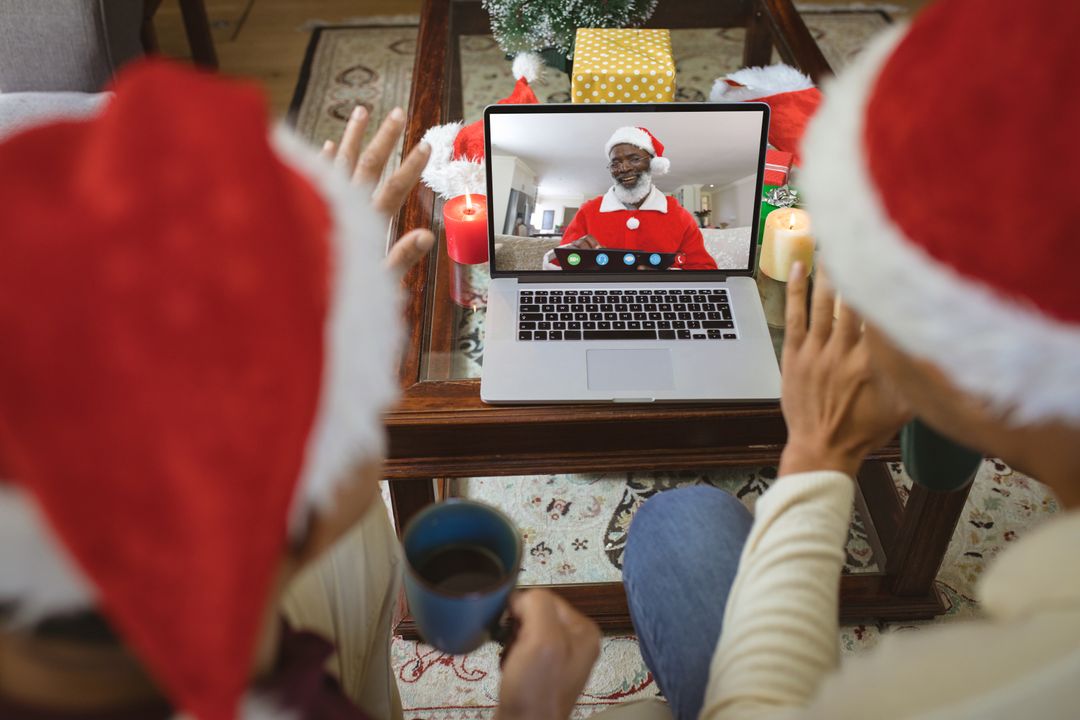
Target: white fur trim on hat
[(759, 82), (631, 136), (362, 336), (359, 381), (446, 176), (528, 65), (36, 571), (1022, 362)]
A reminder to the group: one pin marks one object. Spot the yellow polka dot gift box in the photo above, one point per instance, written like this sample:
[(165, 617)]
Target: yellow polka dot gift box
[(622, 65)]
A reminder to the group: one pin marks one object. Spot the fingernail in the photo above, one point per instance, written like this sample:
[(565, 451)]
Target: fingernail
[(397, 114), (425, 241), (424, 147), (797, 269), (359, 112), (328, 145)]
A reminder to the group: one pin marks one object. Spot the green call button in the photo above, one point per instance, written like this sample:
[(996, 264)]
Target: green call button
[(573, 259)]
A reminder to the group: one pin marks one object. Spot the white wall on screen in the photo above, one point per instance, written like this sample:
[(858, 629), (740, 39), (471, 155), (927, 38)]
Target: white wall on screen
[(509, 173), (734, 203)]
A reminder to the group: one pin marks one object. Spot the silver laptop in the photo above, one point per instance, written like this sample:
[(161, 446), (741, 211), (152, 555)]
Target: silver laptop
[(613, 280)]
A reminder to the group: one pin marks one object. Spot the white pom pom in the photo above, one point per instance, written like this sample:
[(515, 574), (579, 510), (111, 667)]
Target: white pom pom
[(659, 165), (633, 223), (528, 65)]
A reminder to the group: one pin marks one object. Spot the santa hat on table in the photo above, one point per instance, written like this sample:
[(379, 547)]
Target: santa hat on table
[(198, 341), (641, 138), (790, 95), (924, 186), (456, 165)]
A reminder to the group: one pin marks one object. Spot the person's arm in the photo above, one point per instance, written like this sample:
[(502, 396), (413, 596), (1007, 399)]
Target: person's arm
[(548, 661), (693, 246), (780, 623)]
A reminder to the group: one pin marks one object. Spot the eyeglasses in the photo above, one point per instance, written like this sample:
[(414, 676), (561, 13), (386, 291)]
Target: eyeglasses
[(630, 161)]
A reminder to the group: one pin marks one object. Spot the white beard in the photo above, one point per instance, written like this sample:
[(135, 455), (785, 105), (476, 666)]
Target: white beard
[(634, 195)]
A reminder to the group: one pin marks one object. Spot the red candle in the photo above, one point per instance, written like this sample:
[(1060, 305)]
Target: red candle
[(465, 220)]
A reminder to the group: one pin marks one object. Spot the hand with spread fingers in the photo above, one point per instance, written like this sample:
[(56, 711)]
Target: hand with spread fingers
[(836, 407), (365, 166), (545, 668)]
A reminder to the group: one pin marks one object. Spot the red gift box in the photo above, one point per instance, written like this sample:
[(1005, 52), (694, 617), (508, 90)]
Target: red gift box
[(777, 166)]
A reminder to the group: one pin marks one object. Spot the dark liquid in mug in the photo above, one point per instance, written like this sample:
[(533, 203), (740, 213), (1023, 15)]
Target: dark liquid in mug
[(459, 569)]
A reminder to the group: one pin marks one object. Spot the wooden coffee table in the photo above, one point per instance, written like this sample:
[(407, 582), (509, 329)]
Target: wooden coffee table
[(442, 430)]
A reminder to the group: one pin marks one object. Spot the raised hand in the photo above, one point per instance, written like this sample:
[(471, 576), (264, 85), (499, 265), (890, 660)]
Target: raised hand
[(365, 165), (836, 407)]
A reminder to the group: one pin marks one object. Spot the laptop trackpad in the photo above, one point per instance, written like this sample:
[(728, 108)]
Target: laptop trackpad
[(630, 370)]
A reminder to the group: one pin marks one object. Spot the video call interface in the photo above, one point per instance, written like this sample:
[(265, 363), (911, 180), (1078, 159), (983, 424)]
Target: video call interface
[(624, 191)]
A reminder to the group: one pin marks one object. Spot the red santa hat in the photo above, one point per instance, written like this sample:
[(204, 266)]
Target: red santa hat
[(790, 95), (198, 341), (641, 138), (456, 165), (928, 194)]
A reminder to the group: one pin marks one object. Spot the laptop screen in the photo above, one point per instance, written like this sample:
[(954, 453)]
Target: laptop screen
[(602, 189)]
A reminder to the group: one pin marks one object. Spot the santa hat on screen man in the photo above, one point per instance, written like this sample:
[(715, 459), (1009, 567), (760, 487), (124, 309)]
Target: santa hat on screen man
[(790, 95), (924, 189), (187, 368), (456, 165), (641, 138)]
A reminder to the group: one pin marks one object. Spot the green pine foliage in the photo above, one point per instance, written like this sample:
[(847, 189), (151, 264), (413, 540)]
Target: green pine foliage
[(520, 25)]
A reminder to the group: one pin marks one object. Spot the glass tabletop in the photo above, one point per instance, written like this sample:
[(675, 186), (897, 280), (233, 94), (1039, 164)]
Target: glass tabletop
[(575, 524), (454, 343)]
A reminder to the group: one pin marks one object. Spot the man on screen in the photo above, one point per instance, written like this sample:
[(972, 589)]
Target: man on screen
[(633, 214)]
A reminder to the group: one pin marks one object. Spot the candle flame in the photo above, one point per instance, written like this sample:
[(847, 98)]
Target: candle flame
[(468, 202), (791, 221)]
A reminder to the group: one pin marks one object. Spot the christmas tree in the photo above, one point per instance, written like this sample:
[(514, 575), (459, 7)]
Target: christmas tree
[(522, 25)]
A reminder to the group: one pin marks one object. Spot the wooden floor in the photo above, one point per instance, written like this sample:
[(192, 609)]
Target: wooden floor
[(265, 39)]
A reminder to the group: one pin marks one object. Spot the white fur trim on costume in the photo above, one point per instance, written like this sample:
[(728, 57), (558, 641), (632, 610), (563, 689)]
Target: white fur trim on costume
[(363, 335), (659, 165), (36, 571), (632, 136), (759, 82), (1023, 363), (446, 176), (528, 65)]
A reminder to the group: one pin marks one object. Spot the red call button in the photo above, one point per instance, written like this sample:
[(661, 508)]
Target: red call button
[(680, 258)]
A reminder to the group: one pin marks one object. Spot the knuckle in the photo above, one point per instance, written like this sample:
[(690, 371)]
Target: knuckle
[(368, 161)]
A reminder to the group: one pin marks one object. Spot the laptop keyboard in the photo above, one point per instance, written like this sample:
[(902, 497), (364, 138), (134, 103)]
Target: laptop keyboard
[(625, 314)]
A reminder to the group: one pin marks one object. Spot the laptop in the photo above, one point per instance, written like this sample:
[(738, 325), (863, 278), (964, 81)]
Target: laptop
[(612, 281)]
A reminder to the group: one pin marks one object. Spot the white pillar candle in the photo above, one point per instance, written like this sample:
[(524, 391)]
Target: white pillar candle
[(786, 240)]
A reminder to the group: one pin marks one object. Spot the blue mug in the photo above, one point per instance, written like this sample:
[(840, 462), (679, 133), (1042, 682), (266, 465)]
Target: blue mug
[(462, 560)]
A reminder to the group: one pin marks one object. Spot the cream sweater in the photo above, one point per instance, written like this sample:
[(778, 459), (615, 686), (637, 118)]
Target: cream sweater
[(778, 654)]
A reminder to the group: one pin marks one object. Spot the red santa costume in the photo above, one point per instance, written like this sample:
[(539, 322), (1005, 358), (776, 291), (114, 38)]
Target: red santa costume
[(659, 224)]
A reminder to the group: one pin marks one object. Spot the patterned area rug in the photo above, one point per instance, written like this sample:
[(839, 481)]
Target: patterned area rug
[(575, 525)]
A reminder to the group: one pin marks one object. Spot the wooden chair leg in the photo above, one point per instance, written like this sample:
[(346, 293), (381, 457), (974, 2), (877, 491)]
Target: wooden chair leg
[(147, 34), (758, 48), (197, 27)]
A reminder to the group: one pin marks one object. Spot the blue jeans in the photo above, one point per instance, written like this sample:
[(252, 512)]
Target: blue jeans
[(680, 560)]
